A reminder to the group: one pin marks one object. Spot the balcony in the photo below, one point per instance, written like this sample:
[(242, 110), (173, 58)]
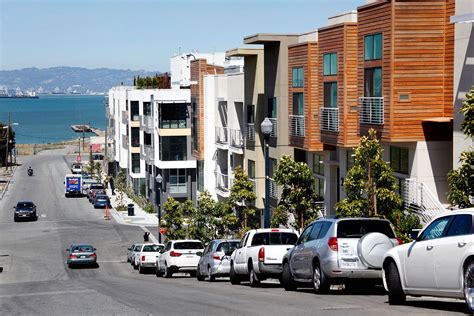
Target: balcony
[(236, 139), (371, 110), (222, 184), (221, 135), (178, 123), (125, 117), (125, 141), (273, 189), (274, 132), (330, 119), (147, 123), (250, 132), (147, 153), (296, 125)]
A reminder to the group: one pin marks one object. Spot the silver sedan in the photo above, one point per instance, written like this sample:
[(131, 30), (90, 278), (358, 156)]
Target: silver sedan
[(81, 254), (214, 260)]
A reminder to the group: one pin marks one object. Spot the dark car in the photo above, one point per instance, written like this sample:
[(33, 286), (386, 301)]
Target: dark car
[(25, 210), (81, 254), (91, 192), (101, 201)]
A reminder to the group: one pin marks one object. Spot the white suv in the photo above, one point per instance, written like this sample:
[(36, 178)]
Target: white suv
[(440, 262), (179, 256)]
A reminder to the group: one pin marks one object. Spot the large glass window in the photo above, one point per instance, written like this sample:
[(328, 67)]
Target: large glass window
[(319, 186), (134, 110), (298, 106), (272, 107), (135, 136), (373, 47), (136, 163), (173, 115), (399, 159), (173, 148), (373, 82), (177, 181), (330, 64), (200, 175), (195, 127), (298, 77), (147, 108), (251, 169), (330, 94), (318, 164), (250, 113)]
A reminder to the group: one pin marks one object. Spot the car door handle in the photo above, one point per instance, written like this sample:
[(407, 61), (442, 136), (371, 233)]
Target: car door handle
[(461, 244), (429, 247)]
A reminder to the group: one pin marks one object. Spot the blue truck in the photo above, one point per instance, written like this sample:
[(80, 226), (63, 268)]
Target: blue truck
[(73, 185)]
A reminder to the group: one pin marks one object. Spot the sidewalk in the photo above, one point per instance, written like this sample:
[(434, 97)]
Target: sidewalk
[(141, 217), (5, 179)]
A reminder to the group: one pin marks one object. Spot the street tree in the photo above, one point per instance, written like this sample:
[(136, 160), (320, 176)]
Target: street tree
[(241, 196), (461, 180), (121, 187), (173, 219), (298, 196)]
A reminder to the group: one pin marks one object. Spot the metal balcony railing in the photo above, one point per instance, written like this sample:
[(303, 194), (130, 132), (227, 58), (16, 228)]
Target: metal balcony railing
[(330, 119), (250, 132), (125, 141), (236, 138), (296, 125), (124, 117), (274, 132), (273, 189), (221, 135), (173, 123), (147, 122), (371, 110), (222, 181), (149, 153)]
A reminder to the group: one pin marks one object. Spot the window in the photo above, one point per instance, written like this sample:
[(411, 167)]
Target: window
[(272, 108), (461, 225), (173, 148), (173, 115), (315, 231), (274, 238), (330, 64), (134, 110), (298, 106), (373, 82), (251, 169), (195, 127), (319, 186), (200, 175), (349, 159), (357, 228), (399, 159), (435, 229), (135, 137), (227, 247), (273, 166), (330, 94), (318, 164), (373, 47), (177, 180), (298, 77), (251, 113), (188, 245), (305, 235), (324, 229), (136, 163), (147, 139), (147, 109)]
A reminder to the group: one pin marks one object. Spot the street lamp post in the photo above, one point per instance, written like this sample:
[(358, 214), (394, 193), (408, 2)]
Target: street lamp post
[(159, 180), (266, 128)]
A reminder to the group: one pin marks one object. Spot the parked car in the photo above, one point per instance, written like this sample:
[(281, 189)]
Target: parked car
[(76, 167), (135, 250), (93, 189), (179, 256), (25, 210), (86, 184), (130, 252), (440, 262), (146, 256), (339, 250), (215, 259), (260, 255), (81, 254), (101, 201)]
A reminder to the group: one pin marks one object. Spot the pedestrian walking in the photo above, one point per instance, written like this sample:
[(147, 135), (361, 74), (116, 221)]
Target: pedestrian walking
[(146, 236)]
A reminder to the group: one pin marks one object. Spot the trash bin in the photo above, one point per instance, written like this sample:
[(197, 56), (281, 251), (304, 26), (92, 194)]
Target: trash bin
[(131, 210)]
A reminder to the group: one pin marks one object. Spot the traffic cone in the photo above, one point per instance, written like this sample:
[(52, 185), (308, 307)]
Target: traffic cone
[(107, 217)]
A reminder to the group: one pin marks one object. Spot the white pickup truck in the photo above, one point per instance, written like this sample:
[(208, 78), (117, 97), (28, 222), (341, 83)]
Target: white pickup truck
[(146, 256), (260, 255)]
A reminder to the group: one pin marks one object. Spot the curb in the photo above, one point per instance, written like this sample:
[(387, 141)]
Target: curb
[(8, 183)]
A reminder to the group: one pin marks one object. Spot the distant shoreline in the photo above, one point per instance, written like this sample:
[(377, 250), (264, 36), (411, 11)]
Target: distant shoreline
[(31, 149)]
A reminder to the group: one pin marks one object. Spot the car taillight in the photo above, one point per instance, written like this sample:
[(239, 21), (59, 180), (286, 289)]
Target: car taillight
[(174, 254), (216, 257), (71, 256), (275, 230), (400, 241), (332, 243), (261, 254), (143, 258)]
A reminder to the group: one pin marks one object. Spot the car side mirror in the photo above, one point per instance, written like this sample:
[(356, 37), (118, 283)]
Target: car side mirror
[(14, 206), (199, 253), (95, 249), (129, 248)]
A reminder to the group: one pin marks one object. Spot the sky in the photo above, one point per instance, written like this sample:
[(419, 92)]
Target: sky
[(144, 34)]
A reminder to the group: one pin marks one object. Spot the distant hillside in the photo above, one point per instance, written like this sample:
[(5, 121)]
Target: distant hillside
[(69, 79)]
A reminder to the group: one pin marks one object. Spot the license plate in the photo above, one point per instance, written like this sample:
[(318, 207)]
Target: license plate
[(190, 256), (348, 264), (82, 257)]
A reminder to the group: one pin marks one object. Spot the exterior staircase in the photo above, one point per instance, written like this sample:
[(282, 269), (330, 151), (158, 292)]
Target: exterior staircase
[(420, 200)]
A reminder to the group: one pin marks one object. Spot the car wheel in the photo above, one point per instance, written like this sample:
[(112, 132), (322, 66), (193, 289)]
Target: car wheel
[(199, 276), (211, 277), (15, 219), (158, 272), (286, 279), (135, 266), (469, 286), (254, 281), (320, 281), (140, 269), (396, 295), (192, 274), (168, 272), (234, 278), (69, 265)]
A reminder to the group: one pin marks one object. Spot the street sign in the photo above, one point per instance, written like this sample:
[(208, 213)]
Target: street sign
[(162, 230), (78, 159)]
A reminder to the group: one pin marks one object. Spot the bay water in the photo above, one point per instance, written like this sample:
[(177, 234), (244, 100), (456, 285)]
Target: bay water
[(49, 118)]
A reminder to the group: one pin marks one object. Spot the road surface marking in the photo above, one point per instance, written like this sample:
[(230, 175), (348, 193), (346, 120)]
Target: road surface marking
[(48, 293)]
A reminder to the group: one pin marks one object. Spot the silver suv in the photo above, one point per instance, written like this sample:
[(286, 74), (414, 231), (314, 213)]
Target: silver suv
[(338, 250)]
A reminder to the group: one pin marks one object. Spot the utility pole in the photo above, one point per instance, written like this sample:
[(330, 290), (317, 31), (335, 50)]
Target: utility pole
[(83, 136), (106, 160), (6, 145)]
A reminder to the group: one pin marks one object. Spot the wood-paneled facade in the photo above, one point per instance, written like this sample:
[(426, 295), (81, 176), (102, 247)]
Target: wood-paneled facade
[(199, 68), (305, 56), (417, 67)]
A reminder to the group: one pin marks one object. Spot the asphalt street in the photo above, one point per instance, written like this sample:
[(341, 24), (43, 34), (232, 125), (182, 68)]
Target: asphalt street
[(37, 281)]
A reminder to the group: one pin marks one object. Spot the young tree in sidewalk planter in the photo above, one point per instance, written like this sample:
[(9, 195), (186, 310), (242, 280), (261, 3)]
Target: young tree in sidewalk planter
[(242, 195), (461, 180), (121, 187), (371, 188), (173, 219), (298, 196)]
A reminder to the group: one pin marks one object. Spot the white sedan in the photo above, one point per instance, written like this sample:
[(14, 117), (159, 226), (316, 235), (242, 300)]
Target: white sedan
[(440, 262)]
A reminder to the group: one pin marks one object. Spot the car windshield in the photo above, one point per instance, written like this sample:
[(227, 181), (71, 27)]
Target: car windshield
[(102, 197), (152, 248), (24, 204), (97, 186), (82, 248), (274, 238), (227, 247), (188, 245), (358, 228)]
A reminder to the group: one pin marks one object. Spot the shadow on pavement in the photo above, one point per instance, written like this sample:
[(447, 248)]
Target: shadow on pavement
[(459, 307), (84, 266)]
